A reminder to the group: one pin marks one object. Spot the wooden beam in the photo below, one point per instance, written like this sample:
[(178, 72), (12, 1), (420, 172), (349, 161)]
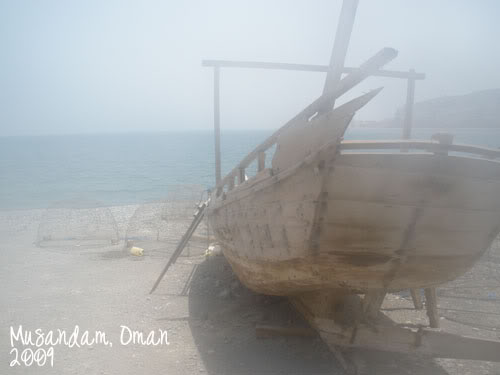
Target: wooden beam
[(340, 45), (263, 331), (200, 213), (430, 146), (218, 174), (241, 176), (306, 68), (231, 183), (261, 162), (417, 298), (410, 98), (372, 302), (431, 307), (403, 340), (338, 326), (392, 74)]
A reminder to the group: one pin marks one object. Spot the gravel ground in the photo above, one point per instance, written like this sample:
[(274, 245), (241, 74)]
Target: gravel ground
[(209, 316)]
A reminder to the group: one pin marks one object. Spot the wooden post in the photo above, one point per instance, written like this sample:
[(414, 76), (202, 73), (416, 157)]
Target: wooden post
[(218, 175), (231, 184), (431, 307), (241, 176), (372, 302), (417, 298), (339, 51), (410, 98), (261, 162)]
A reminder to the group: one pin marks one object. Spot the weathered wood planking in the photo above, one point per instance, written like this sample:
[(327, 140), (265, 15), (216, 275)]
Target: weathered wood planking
[(430, 189), (341, 320), (305, 138), (369, 208)]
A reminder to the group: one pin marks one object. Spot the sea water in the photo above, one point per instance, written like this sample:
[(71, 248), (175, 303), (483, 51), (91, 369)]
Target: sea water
[(117, 169)]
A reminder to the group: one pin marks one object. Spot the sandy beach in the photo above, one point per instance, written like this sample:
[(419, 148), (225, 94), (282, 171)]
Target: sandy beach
[(209, 316)]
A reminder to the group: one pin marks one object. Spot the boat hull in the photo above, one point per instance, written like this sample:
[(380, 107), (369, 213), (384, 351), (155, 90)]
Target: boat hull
[(360, 221)]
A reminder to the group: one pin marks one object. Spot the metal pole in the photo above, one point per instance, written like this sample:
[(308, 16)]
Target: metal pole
[(217, 125), (410, 98)]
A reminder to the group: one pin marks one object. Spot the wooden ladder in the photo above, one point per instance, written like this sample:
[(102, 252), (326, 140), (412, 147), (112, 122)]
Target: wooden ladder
[(198, 216)]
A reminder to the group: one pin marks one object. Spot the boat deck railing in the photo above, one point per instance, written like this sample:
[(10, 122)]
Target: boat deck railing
[(441, 146), (433, 146)]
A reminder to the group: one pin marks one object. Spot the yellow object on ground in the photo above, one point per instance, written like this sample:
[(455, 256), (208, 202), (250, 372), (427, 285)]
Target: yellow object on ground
[(137, 251)]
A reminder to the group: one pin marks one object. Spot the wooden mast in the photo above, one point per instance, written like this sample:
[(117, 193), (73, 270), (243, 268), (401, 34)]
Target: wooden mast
[(333, 76), (339, 51)]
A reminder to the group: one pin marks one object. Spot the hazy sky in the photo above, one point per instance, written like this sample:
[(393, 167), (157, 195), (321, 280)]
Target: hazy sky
[(108, 66)]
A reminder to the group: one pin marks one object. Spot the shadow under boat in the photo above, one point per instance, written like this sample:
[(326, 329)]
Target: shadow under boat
[(222, 318)]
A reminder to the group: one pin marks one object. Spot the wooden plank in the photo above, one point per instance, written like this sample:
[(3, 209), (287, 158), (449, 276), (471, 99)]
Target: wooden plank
[(340, 45), (391, 74), (292, 273), (298, 142), (306, 68), (241, 176), (372, 302), (381, 185), (337, 318), (264, 331), (367, 215), (294, 145), (200, 213), (431, 307), (403, 340), (261, 163), (430, 146), (231, 183), (417, 298), (423, 163), (359, 246), (377, 228)]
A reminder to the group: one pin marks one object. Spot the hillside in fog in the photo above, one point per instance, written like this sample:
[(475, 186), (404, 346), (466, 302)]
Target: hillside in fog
[(480, 109)]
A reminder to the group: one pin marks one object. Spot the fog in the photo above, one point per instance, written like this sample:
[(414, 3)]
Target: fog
[(121, 66)]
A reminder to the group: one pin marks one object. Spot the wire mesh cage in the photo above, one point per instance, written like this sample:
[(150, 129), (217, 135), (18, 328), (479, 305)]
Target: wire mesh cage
[(147, 227), (158, 226), (77, 223)]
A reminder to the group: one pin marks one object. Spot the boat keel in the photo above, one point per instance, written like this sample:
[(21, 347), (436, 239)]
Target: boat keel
[(348, 321)]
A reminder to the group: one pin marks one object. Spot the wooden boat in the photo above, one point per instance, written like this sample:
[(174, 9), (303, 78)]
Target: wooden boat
[(356, 215), (324, 220), (329, 220)]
